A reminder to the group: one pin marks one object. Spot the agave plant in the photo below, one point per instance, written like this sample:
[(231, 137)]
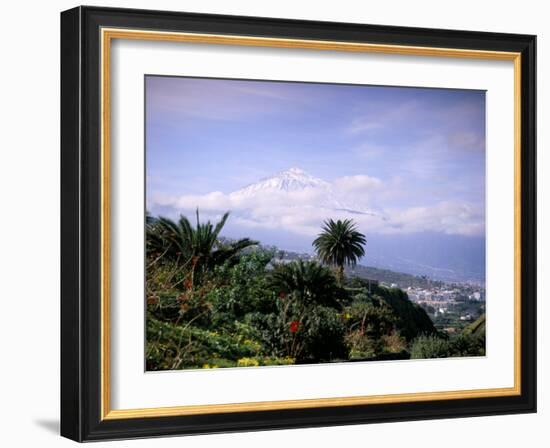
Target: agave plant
[(197, 248), (339, 244)]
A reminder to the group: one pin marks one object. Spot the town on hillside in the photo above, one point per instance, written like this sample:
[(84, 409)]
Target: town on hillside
[(451, 306)]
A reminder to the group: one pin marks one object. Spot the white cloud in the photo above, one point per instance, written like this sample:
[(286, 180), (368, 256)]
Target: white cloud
[(302, 212), (446, 217), (359, 182)]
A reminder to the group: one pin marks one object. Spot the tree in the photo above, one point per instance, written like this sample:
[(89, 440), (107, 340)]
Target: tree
[(308, 283), (306, 326), (339, 244), (426, 347), (196, 248)]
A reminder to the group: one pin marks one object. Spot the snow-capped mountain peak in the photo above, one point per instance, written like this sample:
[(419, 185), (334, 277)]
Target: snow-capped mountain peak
[(293, 179), (291, 182)]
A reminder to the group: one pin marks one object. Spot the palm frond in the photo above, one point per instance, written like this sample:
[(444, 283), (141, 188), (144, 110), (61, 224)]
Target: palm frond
[(179, 241), (340, 243), (307, 282)]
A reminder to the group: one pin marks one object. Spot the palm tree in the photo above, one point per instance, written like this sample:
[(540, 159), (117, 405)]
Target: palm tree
[(339, 244), (198, 247), (308, 283)]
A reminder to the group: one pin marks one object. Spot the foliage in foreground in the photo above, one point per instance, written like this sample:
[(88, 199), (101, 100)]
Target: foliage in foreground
[(340, 244), (471, 342), (216, 303)]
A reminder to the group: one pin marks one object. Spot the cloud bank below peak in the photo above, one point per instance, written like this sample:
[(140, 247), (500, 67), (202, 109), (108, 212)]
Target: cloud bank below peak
[(297, 203)]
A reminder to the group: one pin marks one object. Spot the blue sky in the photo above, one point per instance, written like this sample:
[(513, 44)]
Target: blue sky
[(414, 156)]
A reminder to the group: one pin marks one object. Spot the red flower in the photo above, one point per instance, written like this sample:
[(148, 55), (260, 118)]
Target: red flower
[(294, 326)]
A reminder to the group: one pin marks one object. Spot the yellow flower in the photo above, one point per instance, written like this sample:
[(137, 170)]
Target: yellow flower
[(248, 362)]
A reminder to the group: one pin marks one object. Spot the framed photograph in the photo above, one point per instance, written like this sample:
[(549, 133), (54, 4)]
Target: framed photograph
[(273, 223)]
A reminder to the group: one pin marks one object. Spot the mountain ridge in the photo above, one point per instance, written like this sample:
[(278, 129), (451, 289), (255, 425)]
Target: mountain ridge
[(291, 179), (297, 180)]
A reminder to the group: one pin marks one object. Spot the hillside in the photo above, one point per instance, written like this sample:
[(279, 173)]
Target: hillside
[(410, 319), (401, 279)]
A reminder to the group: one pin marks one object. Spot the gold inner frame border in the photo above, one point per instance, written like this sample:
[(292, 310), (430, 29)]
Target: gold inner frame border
[(107, 35)]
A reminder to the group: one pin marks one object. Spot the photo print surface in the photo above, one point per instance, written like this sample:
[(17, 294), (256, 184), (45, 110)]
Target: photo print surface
[(297, 223)]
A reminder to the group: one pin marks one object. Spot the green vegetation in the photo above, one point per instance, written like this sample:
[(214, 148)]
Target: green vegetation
[(340, 244), (457, 316), (401, 279), (470, 342), (213, 302)]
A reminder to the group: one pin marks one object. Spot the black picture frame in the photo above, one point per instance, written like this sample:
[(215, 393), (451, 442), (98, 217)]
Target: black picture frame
[(81, 224)]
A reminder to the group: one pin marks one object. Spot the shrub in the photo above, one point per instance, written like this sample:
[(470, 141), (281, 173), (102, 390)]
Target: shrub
[(471, 342), (247, 362), (468, 345), (425, 347), (373, 318), (306, 283), (412, 320), (173, 346), (241, 288), (394, 343), (312, 334), (324, 336), (362, 346)]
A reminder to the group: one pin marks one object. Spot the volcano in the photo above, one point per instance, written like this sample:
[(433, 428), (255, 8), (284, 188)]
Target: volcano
[(295, 183)]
